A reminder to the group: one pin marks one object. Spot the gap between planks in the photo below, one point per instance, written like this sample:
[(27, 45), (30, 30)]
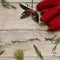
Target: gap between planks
[(22, 29)]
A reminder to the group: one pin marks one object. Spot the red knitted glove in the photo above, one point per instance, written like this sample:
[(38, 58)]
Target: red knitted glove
[(49, 14), (50, 10), (58, 1), (46, 4), (45, 11), (54, 24)]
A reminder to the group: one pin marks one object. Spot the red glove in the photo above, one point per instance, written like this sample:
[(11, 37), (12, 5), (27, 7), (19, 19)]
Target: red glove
[(57, 1), (48, 14), (45, 11), (46, 4), (54, 24)]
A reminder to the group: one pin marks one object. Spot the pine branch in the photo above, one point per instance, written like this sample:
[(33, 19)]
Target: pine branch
[(38, 52), (19, 54)]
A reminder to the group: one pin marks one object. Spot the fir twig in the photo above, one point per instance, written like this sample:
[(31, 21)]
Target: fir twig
[(33, 39), (50, 39), (38, 52), (6, 4), (1, 50), (19, 54)]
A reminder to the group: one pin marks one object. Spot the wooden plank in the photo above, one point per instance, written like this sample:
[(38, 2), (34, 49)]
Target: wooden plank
[(7, 37), (13, 28), (32, 58), (23, 0)]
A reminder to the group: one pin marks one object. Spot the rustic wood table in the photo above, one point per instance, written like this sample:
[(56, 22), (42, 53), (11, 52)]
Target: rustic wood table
[(14, 28)]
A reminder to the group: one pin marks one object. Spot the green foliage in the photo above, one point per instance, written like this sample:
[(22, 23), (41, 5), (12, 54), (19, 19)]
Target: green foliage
[(1, 50), (19, 54), (32, 40), (38, 52)]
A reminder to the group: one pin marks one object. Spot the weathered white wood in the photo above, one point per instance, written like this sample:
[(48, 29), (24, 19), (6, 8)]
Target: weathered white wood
[(14, 28), (44, 47), (33, 58), (23, 0)]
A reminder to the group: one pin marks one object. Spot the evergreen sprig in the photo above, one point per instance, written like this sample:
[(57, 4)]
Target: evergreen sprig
[(1, 50), (38, 52), (32, 40), (19, 54)]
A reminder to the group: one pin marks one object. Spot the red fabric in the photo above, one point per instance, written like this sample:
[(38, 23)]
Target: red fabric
[(50, 10), (46, 4), (54, 24), (50, 13), (58, 1), (45, 11)]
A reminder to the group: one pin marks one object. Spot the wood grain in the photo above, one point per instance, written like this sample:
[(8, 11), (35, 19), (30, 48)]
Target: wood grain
[(14, 28)]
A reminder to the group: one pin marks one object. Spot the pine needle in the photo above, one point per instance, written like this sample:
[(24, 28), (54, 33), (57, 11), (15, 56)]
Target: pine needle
[(19, 54), (38, 52)]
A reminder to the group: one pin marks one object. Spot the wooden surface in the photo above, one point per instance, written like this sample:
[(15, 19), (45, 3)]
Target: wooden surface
[(14, 28)]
